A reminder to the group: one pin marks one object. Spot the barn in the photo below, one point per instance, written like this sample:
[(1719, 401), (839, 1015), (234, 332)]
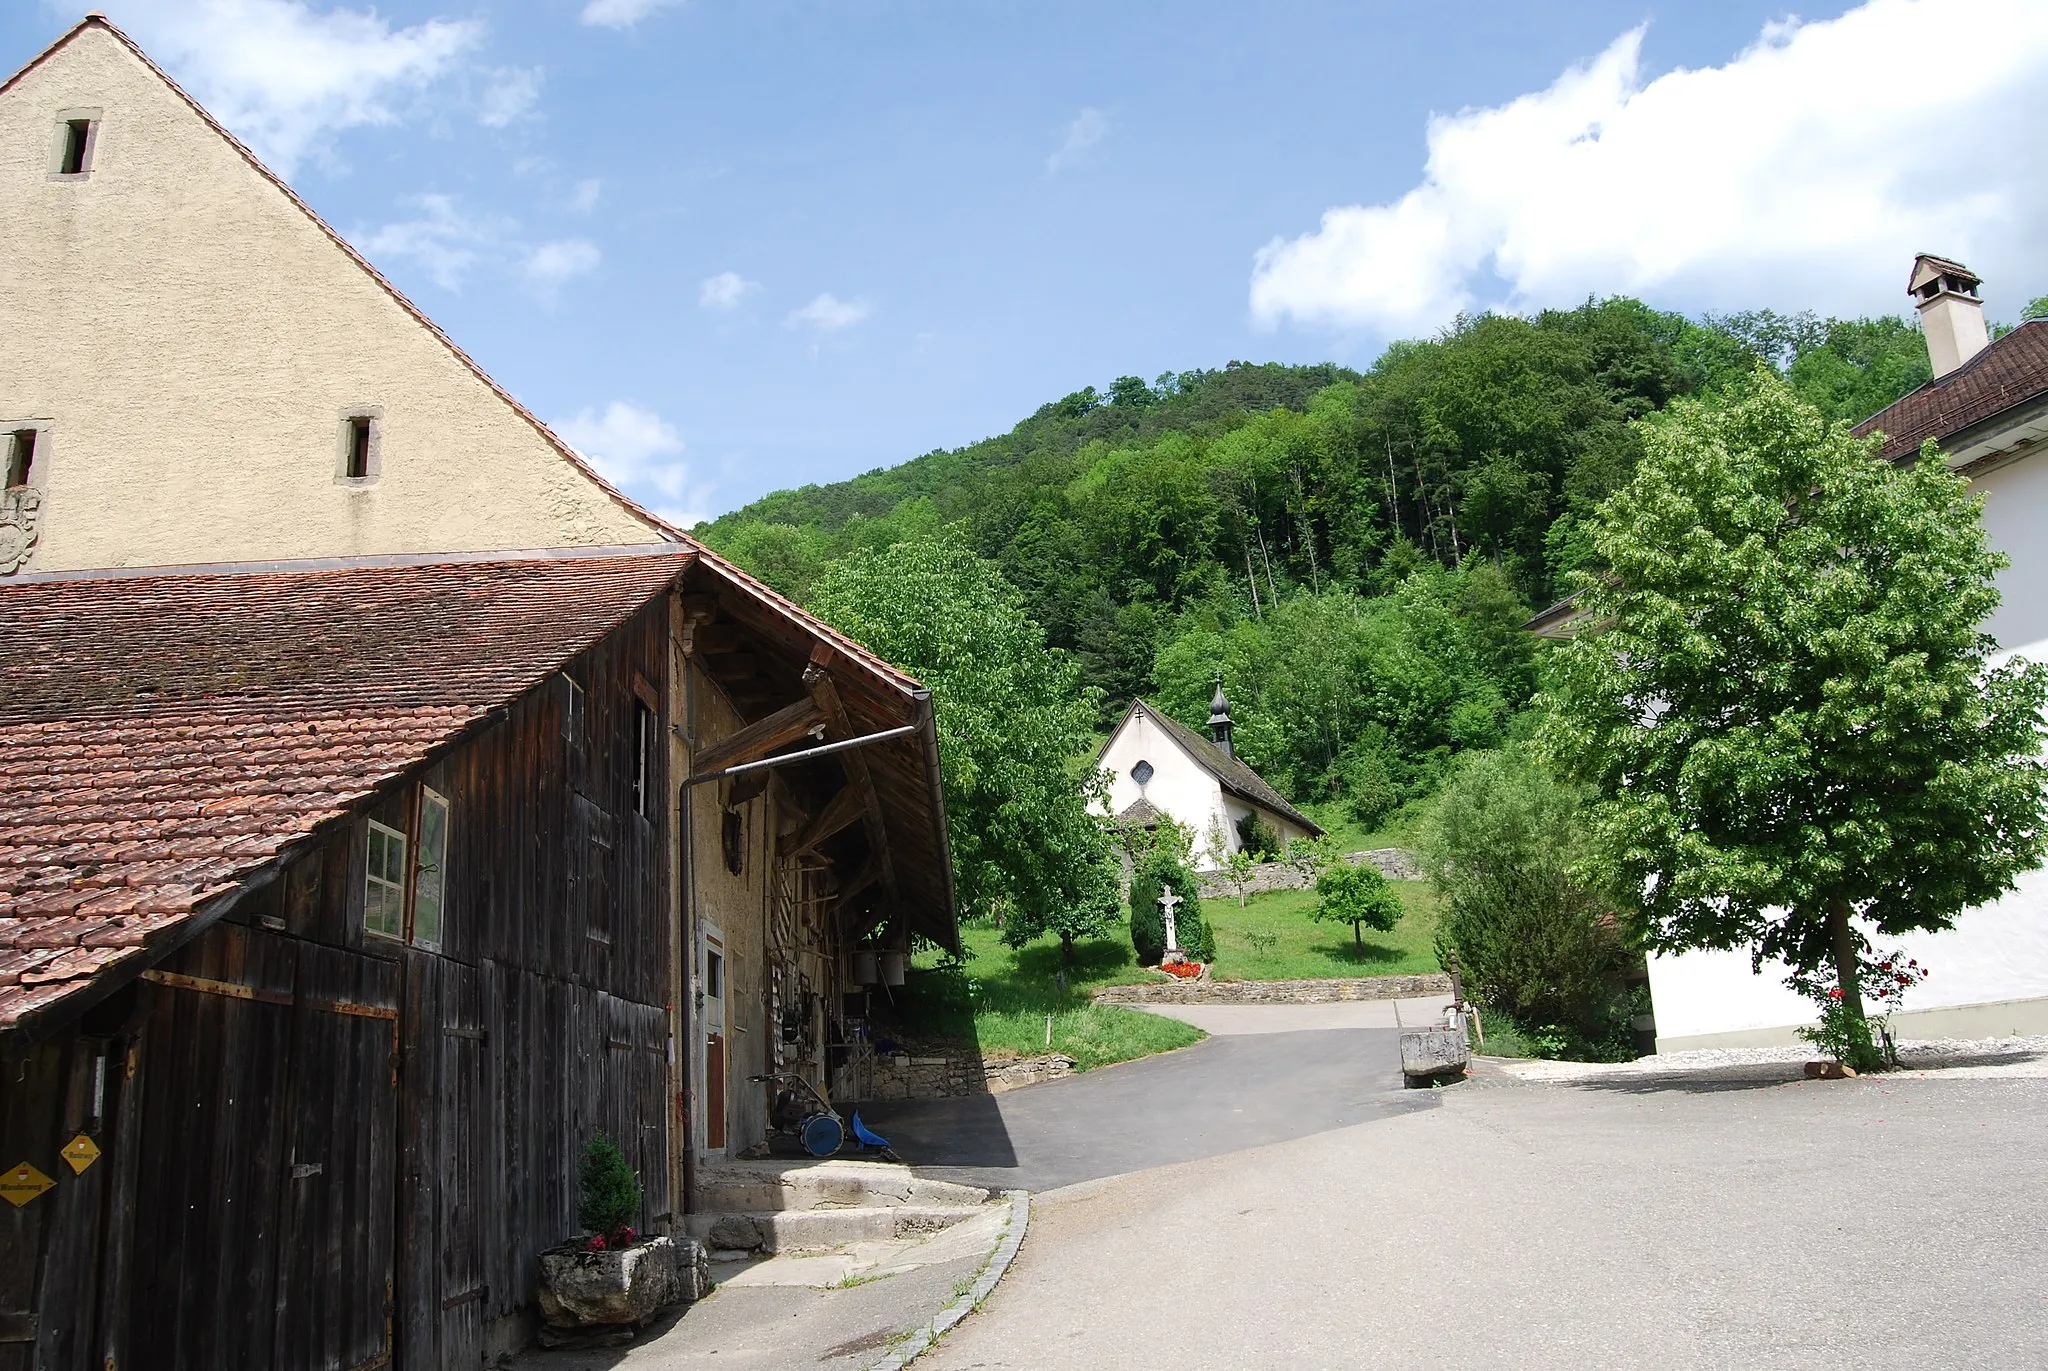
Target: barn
[(342, 902)]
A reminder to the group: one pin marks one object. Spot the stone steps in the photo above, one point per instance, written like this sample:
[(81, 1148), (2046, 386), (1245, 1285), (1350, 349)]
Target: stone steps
[(770, 1206), (822, 1230)]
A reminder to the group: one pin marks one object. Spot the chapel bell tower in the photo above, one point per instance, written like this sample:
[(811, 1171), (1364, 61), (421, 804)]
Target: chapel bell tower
[(1219, 719)]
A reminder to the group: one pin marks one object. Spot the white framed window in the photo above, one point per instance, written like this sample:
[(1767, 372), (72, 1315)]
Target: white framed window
[(384, 883), (430, 876)]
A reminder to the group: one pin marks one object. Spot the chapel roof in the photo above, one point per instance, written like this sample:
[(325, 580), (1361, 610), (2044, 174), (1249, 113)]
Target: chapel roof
[(169, 735), (2011, 371), (1231, 773)]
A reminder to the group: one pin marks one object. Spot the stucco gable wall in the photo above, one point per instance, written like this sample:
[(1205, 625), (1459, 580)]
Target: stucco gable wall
[(195, 342)]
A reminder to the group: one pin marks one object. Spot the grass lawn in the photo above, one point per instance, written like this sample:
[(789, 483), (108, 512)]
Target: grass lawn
[(1273, 939), (1000, 1000)]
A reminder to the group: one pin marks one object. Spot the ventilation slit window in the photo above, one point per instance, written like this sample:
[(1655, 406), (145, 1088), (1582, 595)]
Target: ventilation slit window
[(77, 146), (358, 463), (21, 457), (645, 736)]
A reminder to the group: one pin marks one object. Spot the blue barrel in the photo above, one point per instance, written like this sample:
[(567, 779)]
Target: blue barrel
[(822, 1135)]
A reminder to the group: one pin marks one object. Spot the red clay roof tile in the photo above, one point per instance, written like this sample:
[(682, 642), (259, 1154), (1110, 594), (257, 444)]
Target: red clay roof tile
[(169, 735), (2011, 371)]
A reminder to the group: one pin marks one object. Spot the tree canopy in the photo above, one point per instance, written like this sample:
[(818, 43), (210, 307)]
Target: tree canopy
[(1011, 717), (1786, 705)]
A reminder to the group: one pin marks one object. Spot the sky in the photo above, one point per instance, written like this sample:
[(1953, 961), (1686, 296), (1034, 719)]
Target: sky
[(726, 248)]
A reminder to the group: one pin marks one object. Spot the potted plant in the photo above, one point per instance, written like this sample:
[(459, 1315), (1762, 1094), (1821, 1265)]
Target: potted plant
[(601, 1288)]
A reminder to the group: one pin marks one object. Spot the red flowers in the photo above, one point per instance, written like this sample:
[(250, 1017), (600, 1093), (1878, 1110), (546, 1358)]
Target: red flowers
[(596, 1243), (1184, 970), (1835, 994), (625, 1237)]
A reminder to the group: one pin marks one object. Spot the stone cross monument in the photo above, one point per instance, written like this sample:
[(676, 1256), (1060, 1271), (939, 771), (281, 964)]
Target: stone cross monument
[(1168, 902)]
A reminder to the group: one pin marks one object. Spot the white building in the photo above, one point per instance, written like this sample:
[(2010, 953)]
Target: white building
[(1987, 408), (1158, 766)]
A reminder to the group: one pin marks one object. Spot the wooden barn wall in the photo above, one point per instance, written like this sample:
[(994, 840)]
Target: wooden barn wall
[(322, 1148)]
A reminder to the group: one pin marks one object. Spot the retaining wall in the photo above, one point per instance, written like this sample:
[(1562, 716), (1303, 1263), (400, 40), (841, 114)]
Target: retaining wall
[(1277, 992), (1395, 863)]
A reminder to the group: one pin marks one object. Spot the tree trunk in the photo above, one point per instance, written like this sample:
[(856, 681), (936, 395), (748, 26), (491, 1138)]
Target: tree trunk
[(1842, 940), (1066, 949), (1358, 940)]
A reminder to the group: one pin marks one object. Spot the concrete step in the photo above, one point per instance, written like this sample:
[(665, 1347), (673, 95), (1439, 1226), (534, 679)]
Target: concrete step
[(757, 1187), (822, 1230)]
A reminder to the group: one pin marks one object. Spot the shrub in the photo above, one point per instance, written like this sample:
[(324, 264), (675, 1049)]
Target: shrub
[(1161, 869), (1258, 838), (611, 1189), (1530, 938)]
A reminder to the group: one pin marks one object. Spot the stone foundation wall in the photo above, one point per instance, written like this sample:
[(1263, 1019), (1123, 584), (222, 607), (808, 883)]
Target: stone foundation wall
[(1276, 992), (1395, 863), (905, 1077)]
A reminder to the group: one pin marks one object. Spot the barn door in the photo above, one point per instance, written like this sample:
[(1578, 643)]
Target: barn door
[(334, 1286), (265, 1161), (462, 1158)]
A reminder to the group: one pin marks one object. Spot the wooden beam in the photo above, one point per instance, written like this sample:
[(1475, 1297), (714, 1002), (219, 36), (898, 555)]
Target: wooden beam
[(845, 809), (734, 665), (870, 872), (760, 738), (818, 680)]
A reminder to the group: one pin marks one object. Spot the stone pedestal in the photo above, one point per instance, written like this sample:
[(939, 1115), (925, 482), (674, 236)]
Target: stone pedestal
[(1433, 1054), (607, 1295)]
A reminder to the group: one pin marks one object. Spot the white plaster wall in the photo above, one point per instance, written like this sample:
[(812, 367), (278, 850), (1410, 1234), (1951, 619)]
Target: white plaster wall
[(1179, 786), (195, 342), (1996, 953)]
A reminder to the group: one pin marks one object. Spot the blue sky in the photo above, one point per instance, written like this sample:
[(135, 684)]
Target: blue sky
[(733, 247)]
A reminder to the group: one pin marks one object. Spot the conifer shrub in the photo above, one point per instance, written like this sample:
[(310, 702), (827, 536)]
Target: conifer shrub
[(1161, 869), (610, 1188)]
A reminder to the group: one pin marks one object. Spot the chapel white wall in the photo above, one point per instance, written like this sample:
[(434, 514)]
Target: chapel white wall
[(1180, 786), (195, 342), (1997, 955)]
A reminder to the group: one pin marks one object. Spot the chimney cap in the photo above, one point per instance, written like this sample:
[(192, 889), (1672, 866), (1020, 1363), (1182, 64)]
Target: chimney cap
[(1933, 275)]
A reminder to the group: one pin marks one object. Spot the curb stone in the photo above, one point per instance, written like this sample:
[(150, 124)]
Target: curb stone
[(922, 1340)]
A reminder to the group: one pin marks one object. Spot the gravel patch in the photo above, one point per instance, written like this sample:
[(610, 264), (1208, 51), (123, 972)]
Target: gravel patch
[(1934, 1056)]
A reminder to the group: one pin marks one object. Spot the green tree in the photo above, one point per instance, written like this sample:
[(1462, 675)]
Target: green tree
[(1531, 940), (610, 1189), (1787, 709), (1359, 896), (1011, 717), (2036, 309)]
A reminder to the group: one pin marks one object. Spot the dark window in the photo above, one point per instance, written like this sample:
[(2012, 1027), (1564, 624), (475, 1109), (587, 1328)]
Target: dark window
[(358, 447), (572, 712), (21, 456), (77, 146), (645, 736)]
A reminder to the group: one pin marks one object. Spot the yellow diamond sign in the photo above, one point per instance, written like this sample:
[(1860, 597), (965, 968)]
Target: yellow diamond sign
[(22, 1184), (81, 1152)]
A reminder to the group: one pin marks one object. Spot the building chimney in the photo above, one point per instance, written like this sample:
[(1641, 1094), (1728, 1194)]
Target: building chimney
[(1951, 314), (1219, 719)]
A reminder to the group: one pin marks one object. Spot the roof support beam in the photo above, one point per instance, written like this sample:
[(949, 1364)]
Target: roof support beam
[(825, 695), (846, 808), (761, 737)]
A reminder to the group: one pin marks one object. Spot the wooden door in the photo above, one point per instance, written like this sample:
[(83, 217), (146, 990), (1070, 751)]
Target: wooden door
[(713, 983)]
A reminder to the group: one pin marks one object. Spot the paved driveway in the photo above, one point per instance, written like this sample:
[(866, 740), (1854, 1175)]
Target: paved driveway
[(1741, 1224), (1262, 1078)]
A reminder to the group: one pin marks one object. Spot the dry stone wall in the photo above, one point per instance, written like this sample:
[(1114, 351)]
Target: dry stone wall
[(1276, 992), (1395, 863), (904, 1077)]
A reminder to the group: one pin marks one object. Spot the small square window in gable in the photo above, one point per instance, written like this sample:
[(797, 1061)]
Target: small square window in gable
[(362, 447), (76, 144)]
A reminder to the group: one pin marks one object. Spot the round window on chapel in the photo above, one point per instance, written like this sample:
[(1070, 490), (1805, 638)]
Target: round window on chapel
[(1142, 772)]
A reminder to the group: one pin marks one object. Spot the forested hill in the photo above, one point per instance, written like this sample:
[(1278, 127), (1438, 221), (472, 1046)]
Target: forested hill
[(1351, 550)]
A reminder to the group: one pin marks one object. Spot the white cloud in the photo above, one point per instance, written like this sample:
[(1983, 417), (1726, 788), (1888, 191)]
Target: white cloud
[(726, 290), (1087, 130), (1804, 173), (443, 239), (550, 265), (511, 92), (621, 14), (637, 450), (284, 76), (584, 199), (828, 313)]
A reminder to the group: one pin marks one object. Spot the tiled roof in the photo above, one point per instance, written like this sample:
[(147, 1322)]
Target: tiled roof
[(2011, 371), (1139, 813), (168, 736), (1234, 776)]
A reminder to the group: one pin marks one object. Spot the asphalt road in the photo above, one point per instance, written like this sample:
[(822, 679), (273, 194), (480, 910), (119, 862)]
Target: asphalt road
[(1235, 1090), (1734, 1224)]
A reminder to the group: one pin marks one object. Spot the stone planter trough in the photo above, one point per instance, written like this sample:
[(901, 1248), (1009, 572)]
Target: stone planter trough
[(593, 1299)]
